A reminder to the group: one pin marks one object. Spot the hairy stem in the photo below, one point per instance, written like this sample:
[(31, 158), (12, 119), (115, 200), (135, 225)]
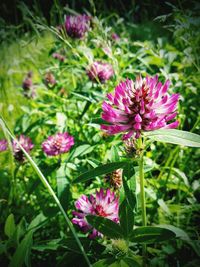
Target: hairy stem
[(142, 197)]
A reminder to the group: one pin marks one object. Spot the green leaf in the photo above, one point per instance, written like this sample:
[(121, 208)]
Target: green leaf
[(22, 251), (176, 137), (80, 151), (114, 154), (105, 226), (129, 187), (151, 234), (63, 188), (103, 263), (37, 222), (100, 170), (10, 227), (126, 215), (132, 262)]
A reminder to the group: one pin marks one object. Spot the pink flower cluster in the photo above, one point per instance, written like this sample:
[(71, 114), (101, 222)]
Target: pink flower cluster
[(143, 105), (77, 26), (54, 145), (104, 204), (24, 141), (58, 144), (100, 71)]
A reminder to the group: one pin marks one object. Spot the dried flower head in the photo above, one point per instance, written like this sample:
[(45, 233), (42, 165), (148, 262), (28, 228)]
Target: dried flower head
[(100, 71), (114, 179), (49, 79), (58, 144), (104, 204), (28, 87), (26, 143), (143, 105), (77, 26)]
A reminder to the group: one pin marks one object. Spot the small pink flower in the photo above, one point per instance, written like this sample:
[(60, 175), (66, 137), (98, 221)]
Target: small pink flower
[(3, 145), (104, 204), (26, 143), (59, 57), (100, 71), (58, 144), (77, 26), (115, 36), (143, 105)]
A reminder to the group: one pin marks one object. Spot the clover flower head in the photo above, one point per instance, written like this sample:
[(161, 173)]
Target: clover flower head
[(3, 145), (26, 143), (100, 71), (115, 37), (104, 204), (58, 144), (77, 26), (143, 105), (59, 56)]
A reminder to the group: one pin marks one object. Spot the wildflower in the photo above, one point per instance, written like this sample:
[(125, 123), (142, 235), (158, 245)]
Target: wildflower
[(77, 26), (115, 37), (100, 71), (143, 105), (115, 179), (26, 143), (59, 57), (49, 79), (57, 144), (104, 204), (27, 85), (3, 145)]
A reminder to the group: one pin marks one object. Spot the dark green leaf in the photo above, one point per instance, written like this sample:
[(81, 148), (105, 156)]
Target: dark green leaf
[(10, 227), (100, 170), (176, 137), (129, 192), (63, 188), (105, 226), (37, 222), (22, 250), (126, 215), (150, 234)]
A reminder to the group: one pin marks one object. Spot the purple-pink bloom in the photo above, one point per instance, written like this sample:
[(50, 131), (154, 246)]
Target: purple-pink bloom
[(58, 144), (3, 145), (115, 36), (77, 26), (100, 71), (59, 57), (143, 105), (104, 204), (26, 143)]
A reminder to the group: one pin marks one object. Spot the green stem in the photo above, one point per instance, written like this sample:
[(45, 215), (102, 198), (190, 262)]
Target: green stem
[(142, 197), (49, 189)]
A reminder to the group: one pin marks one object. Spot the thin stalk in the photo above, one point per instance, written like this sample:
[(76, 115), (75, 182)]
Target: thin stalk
[(49, 189), (142, 197)]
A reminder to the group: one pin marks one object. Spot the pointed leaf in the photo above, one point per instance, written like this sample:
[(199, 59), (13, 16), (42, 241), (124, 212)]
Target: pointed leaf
[(126, 215), (176, 137), (105, 226), (10, 227), (100, 170), (22, 251), (151, 234)]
